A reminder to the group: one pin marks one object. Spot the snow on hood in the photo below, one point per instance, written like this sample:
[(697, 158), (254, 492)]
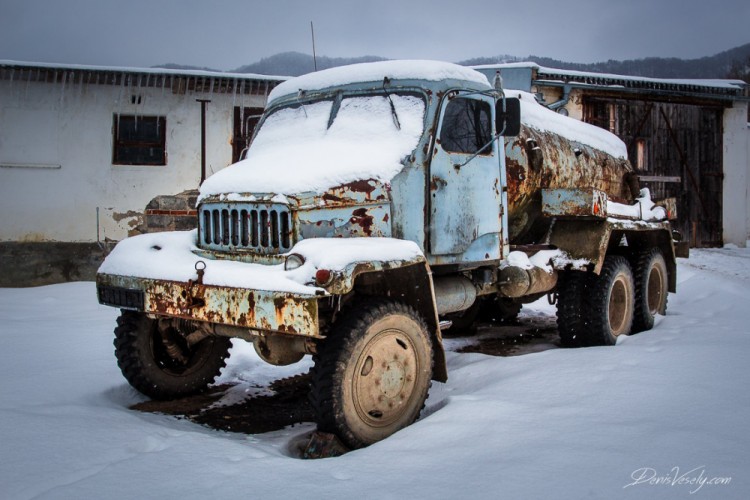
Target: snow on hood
[(296, 152), (375, 72), (544, 119), (172, 256)]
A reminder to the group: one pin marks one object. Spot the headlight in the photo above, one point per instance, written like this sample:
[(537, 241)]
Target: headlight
[(293, 261)]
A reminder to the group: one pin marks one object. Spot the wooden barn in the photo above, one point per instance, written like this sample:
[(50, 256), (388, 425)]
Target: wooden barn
[(687, 139)]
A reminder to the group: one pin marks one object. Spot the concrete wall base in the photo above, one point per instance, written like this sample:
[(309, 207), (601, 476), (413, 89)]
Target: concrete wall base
[(46, 263)]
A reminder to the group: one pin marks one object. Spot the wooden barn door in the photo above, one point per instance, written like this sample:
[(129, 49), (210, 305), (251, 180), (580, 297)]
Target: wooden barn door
[(676, 150)]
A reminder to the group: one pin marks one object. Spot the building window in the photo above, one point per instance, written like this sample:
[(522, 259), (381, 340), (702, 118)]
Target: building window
[(641, 154), (139, 140), (467, 127), (613, 118)]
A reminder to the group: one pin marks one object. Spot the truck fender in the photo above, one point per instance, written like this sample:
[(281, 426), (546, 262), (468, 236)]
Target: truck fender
[(409, 282), (588, 241)]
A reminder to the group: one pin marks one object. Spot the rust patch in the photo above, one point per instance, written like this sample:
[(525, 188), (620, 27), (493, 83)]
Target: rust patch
[(437, 183), (279, 305), (363, 219), (331, 197), (516, 177), (560, 164), (385, 218), (360, 187)]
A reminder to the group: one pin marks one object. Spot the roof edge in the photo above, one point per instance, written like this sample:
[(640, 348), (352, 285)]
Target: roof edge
[(151, 71)]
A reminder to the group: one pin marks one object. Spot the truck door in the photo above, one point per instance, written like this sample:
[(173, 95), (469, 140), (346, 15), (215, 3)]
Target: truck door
[(465, 181)]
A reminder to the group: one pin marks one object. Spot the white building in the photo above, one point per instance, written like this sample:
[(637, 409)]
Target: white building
[(84, 149)]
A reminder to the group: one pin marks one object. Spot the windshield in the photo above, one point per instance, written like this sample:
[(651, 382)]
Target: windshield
[(296, 150)]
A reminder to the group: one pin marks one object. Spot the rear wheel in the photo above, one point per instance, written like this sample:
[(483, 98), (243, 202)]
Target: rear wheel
[(372, 373), (500, 310), (160, 363), (609, 302), (464, 322), (570, 287), (651, 289)]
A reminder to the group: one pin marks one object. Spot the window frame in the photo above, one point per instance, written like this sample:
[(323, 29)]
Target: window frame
[(482, 141), (118, 144)]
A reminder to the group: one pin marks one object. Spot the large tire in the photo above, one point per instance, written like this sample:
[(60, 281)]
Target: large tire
[(609, 302), (147, 366), (651, 288), (372, 373), (500, 310), (570, 324)]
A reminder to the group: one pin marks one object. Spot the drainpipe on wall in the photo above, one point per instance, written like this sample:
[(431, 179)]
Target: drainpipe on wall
[(203, 137), (562, 102)]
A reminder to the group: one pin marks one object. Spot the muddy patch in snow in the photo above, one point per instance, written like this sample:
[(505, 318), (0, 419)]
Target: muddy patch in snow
[(284, 402), (286, 405)]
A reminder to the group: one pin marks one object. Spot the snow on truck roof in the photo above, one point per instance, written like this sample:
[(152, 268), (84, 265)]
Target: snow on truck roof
[(375, 72), (362, 142)]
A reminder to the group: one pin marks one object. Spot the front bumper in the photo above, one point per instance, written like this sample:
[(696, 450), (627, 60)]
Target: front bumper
[(260, 310)]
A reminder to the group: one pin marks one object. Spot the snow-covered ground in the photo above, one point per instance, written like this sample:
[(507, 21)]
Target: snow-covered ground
[(671, 406)]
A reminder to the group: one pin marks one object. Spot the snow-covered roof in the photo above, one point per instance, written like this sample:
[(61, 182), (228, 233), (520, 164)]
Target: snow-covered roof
[(590, 78), (126, 69), (375, 72), (628, 81), (513, 65)]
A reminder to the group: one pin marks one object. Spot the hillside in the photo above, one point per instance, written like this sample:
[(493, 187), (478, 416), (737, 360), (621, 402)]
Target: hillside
[(716, 66), (732, 63)]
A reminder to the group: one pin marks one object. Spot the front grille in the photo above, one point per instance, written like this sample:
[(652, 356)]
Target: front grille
[(121, 297), (263, 228)]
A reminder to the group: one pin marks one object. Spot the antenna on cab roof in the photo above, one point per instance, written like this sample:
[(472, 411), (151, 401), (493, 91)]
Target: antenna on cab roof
[(315, 59)]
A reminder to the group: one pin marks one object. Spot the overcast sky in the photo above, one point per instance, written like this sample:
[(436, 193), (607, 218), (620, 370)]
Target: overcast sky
[(226, 34)]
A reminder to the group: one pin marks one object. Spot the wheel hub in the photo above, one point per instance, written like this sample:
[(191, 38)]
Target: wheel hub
[(385, 378), (392, 380), (619, 306)]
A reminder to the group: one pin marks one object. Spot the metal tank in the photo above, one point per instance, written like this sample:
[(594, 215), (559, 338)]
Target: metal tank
[(537, 160)]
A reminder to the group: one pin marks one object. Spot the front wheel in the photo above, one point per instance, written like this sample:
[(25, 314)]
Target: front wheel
[(372, 373), (160, 363)]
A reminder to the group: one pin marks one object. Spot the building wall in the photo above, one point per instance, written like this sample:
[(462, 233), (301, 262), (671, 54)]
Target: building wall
[(736, 164), (747, 192), (56, 156)]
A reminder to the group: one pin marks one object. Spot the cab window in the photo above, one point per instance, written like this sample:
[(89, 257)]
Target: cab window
[(467, 127)]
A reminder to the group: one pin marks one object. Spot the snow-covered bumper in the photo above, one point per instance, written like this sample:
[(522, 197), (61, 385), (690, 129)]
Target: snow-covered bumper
[(165, 274), (252, 309)]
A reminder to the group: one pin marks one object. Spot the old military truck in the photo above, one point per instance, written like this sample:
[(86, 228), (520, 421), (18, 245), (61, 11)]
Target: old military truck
[(377, 204)]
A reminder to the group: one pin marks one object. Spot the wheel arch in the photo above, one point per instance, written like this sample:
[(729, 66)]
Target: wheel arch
[(410, 284), (592, 240)]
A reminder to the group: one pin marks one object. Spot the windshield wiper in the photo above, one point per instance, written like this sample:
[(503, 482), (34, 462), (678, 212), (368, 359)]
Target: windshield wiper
[(393, 108)]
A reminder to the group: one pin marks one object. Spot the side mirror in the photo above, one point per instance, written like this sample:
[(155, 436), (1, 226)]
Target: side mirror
[(508, 116)]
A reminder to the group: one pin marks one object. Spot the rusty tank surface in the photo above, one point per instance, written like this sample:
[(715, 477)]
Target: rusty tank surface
[(537, 160)]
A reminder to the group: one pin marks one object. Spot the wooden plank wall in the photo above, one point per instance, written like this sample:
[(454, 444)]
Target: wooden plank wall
[(678, 140)]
